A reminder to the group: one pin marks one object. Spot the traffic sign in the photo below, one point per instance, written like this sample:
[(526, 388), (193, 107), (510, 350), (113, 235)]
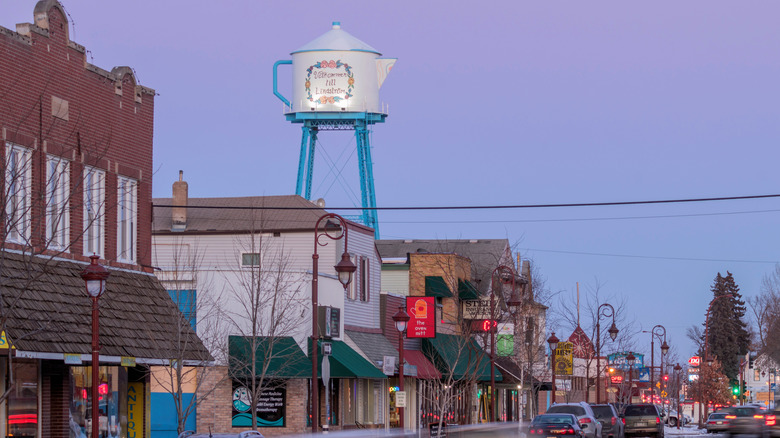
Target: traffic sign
[(664, 394)]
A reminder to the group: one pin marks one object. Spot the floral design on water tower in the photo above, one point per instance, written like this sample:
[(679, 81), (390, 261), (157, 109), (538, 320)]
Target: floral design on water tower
[(331, 82)]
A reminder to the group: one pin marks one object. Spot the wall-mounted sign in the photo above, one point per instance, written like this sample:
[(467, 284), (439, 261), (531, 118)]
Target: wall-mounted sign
[(270, 407), (4, 341), (329, 321), (618, 360), (694, 361), (422, 314), (616, 379), (477, 309), (127, 361), (400, 399), (72, 359)]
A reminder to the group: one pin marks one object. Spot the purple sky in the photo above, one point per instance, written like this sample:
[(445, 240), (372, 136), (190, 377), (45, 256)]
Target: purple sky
[(493, 103)]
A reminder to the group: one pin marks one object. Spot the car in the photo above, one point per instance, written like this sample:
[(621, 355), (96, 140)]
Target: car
[(717, 422), (611, 423), (585, 417), (746, 419), (671, 418), (545, 425), (642, 419), (772, 423)]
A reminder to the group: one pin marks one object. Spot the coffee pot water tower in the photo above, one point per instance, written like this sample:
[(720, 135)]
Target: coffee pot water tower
[(335, 86)]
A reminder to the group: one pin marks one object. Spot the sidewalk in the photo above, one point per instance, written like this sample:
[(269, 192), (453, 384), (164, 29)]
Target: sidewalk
[(685, 430)]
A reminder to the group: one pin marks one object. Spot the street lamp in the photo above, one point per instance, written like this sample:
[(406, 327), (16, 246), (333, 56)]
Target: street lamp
[(680, 417), (344, 269), (95, 276), (605, 310), (506, 275), (401, 319), (630, 359), (656, 331), (553, 341)]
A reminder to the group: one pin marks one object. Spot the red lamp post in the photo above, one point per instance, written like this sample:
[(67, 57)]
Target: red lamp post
[(630, 359), (507, 275), (344, 269), (401, 319), (95, 276), (605, 310), (553, 341)]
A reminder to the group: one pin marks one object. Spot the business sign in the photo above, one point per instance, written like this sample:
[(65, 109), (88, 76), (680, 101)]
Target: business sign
[(270, 407), (136, 410), (694, 361), (478, 309), (643, 375), (400, 399), (422, 317), (618, 360), (616, 379), (564, 360)]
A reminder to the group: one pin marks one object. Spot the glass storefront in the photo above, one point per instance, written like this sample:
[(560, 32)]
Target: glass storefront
[(112, 402), (22, 414)]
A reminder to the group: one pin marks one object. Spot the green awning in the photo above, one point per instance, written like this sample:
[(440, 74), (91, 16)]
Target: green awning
[(467, 291), (276, 357), (436, 287), (348, 363), (459, 356)]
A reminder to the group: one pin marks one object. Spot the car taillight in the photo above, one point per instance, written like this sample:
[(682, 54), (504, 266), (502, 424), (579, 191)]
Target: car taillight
[(731, 417), (585, 420), (758, 417), (657, 420), (771, 420), (614, 420), (570, 431), (623, 420)]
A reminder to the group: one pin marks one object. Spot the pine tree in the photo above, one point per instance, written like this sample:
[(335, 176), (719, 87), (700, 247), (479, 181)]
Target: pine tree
[(728, 336)]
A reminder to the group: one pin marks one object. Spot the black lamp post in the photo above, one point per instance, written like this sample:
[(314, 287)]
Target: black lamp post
[(507, 275), (401, 319), (95, 276), (344, 269), (677, 371), (657, 331), (553, 341), (630, 359), (606, 310)]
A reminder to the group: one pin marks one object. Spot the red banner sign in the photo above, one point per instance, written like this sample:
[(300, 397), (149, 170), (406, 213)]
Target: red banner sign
[(616, 379), (694, 361), (422, 314)]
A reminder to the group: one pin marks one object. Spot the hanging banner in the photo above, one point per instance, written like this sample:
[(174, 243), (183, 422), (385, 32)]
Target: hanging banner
[(618, 360), (564, 360), (422, 314)]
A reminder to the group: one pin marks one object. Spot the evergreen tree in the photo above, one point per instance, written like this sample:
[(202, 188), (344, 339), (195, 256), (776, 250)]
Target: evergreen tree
[(728, 336)]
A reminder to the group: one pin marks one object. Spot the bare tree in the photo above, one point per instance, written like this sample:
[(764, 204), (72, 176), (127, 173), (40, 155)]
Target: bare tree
[(765, 310)]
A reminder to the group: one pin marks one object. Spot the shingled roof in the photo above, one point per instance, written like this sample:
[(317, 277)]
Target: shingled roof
[(246, 214), (49, 311)]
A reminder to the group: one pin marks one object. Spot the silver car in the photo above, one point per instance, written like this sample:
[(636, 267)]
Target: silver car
[(585, 416)]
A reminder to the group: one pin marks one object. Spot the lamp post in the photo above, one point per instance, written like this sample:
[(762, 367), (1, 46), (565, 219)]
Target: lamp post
[(707, 357), (553, 341), (656, 331), (401, 319), (630, 361), (506, 275), (769, 393), (344, 269), (95, 276), (680, 415), (606, 310)]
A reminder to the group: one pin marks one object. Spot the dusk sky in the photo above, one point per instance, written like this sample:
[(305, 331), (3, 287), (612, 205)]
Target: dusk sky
[(493, 103)]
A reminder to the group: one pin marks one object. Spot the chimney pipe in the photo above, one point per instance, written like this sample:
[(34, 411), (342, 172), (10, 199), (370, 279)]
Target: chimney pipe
[(179, 211)]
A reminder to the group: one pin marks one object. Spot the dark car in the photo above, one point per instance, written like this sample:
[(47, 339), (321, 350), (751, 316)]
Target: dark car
[(585, 417), (611, 424), (545, 425), (746, 419), (642, 420), (717, 422)]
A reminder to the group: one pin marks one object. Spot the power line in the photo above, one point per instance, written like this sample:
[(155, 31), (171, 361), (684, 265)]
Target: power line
[(633, 256), (486, 207)]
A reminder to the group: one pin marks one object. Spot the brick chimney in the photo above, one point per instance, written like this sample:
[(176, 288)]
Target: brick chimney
[(179, 211)]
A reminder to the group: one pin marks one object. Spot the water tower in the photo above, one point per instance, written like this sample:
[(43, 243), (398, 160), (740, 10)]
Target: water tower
[(335, 86)]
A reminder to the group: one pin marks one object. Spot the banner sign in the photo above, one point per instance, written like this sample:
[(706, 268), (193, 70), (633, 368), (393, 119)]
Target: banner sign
[(270, 407), (643, 375), (618, 360), (564, 361), (477, 309), (422, 314)]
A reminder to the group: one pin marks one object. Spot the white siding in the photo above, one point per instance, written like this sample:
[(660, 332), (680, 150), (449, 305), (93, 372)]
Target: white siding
[(364, 313), (395, 282)]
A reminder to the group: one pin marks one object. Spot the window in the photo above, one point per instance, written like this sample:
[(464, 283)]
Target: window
[(57, 213), (352, 287), (94, 193), (23, 400), (186, 300), (250, 259), (17, 188), (127, 199), (360, 286), (756, 374)]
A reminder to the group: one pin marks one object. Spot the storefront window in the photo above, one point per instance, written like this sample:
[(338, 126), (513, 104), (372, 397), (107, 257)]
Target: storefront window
[(112, 404), (23, 400)]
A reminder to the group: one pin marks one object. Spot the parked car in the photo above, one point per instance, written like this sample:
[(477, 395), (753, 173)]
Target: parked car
[(545, 425), (585, 417), (672, 418), (642, 419), (772, 422), (717, 422), (746, 419), (611, 423)]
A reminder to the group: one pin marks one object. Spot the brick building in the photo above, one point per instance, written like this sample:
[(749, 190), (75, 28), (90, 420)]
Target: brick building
[(77, 166)]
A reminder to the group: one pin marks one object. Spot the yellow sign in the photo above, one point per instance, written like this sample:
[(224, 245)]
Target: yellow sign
[(664, 394), (135, 409), (564, 361), (4, 341), (658, 385)]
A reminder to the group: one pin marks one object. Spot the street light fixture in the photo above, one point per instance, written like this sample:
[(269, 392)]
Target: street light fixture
[(506, 275), (630, 359), (344, 269), (553, 341), (605, 310), (658, 331), (95, 277), (401, 319)]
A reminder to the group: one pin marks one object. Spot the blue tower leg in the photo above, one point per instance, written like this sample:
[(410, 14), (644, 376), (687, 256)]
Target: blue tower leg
[(310, 170), (302, 161), (365, 166)]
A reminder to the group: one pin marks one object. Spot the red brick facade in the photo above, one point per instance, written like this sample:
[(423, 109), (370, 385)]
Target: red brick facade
[(55, 102)]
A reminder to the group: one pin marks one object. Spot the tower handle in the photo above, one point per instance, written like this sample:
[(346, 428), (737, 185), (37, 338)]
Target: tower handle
[(276, 90)]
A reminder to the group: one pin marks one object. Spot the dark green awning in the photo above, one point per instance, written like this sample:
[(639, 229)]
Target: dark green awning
[(467, 291), (276, 357), (436, 287), (348, 363), (461, 357)]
